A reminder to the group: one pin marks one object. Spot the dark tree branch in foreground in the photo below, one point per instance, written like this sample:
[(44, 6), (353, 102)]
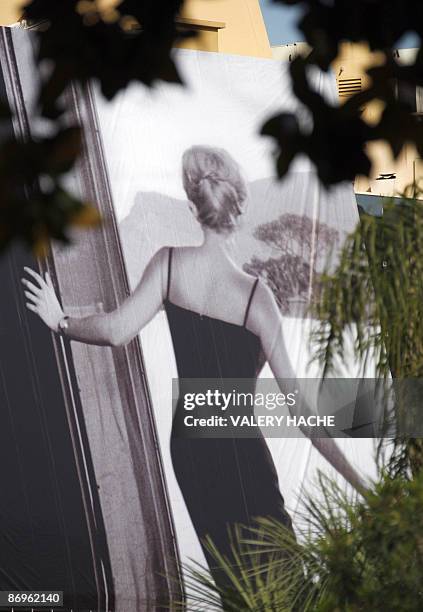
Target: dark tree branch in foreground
[(337, 142), (77, 41)]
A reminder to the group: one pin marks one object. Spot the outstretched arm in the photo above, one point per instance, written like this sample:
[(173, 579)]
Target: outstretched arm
[(266, 321), (105, 329)]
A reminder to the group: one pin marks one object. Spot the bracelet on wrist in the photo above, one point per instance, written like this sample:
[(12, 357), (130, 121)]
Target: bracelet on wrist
[(63, 325)]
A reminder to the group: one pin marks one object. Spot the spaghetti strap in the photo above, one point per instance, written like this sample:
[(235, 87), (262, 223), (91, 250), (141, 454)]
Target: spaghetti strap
[(169, 271), (247, 312)]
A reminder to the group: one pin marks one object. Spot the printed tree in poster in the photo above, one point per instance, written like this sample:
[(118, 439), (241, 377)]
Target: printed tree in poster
[(298, 244)]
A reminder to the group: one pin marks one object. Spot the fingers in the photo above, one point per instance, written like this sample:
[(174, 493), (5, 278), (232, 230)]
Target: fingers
[(31, 286), (39, 294), (31, 297), (35, 275)]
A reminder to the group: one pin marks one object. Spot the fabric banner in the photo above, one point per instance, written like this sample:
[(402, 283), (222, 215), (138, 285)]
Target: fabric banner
[(193, 214), (290, 231)]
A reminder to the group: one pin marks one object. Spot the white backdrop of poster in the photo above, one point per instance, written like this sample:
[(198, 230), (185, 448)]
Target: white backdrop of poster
[(145, 132)]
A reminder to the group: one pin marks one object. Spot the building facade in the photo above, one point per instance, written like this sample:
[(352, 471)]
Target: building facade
[(226, 26)]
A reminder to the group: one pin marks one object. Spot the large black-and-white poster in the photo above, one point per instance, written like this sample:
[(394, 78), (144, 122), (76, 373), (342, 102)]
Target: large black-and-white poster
[(204, 268), (286, 233)]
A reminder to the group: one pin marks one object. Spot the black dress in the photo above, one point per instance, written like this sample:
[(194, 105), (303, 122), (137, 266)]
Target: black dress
[(228, 480)]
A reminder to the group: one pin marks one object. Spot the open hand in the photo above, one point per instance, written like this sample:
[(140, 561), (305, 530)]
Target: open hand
[(42, 299)]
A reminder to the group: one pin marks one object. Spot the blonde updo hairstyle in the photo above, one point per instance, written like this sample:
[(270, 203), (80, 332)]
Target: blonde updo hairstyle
[(214, 184)]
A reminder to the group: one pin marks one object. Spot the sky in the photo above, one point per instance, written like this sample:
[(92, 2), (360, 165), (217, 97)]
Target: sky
[(281, 22), (281, 27)]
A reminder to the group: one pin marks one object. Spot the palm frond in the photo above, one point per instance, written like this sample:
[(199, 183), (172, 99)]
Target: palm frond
[(374, 297)]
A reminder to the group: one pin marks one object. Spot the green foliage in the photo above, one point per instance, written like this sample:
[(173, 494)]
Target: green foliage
[(375, 296), (356, 555), (265, 573), (376, 292), (337, 141), (371, 550)]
